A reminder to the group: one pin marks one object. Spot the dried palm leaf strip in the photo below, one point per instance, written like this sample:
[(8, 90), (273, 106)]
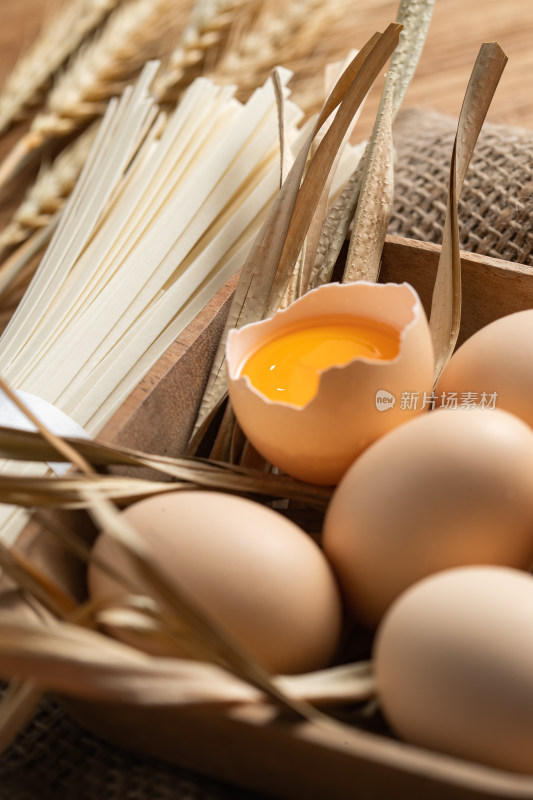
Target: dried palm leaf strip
[(302, 271), (445, 316), (415, 16), (375, 198)]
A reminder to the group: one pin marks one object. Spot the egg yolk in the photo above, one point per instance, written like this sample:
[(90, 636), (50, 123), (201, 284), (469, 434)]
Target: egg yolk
[(287, 367)]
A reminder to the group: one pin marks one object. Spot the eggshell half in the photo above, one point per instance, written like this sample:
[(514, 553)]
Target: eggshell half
[(496, 360), (318, 442), (450, 488), (255, 573), (454, 665)]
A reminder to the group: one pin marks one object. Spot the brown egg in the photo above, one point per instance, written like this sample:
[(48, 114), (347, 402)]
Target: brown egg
[(355, 402), (253, 571), (449, 488), (454, 665), (493, 368)]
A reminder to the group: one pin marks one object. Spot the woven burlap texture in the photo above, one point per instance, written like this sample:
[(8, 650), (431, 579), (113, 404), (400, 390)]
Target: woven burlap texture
[(54, 759), (496, 207)]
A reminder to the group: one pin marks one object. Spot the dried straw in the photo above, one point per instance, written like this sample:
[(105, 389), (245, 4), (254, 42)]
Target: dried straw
[(208, 641), (48, 491), (61, 36), (46, 655), (185, 472), (74, 661), (137, 32), (67, 658)]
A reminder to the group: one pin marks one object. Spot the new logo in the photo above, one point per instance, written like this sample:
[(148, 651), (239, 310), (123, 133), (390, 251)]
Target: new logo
[(384, 400)]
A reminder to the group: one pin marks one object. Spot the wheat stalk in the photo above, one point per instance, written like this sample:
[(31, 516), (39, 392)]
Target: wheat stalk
[(48, 194), (280, 34), (237, 41), (137, 32), (59, 38), (34, 221), (201, 44)]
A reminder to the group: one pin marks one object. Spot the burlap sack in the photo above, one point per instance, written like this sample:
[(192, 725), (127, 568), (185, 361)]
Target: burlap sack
[(496, 208), (54, 759)]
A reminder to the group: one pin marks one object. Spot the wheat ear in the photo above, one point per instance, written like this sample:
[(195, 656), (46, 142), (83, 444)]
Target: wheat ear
[(202, 42), (246, 36), (59, 38), (283, 33), (136, 32), (52, 187)]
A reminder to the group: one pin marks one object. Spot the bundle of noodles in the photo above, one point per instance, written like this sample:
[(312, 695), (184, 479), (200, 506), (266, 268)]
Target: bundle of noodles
[(232, 41), (164, 213)]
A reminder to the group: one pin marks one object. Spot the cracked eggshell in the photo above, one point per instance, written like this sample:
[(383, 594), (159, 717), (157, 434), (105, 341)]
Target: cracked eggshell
[(319, 441)]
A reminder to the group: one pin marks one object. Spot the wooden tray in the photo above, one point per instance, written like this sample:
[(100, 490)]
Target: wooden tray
[(247, 745)]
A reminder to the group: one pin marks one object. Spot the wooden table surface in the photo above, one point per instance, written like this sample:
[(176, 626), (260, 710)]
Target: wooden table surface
[(457, 30)]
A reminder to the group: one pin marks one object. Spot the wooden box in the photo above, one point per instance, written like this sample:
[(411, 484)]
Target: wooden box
[(248, 745)]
